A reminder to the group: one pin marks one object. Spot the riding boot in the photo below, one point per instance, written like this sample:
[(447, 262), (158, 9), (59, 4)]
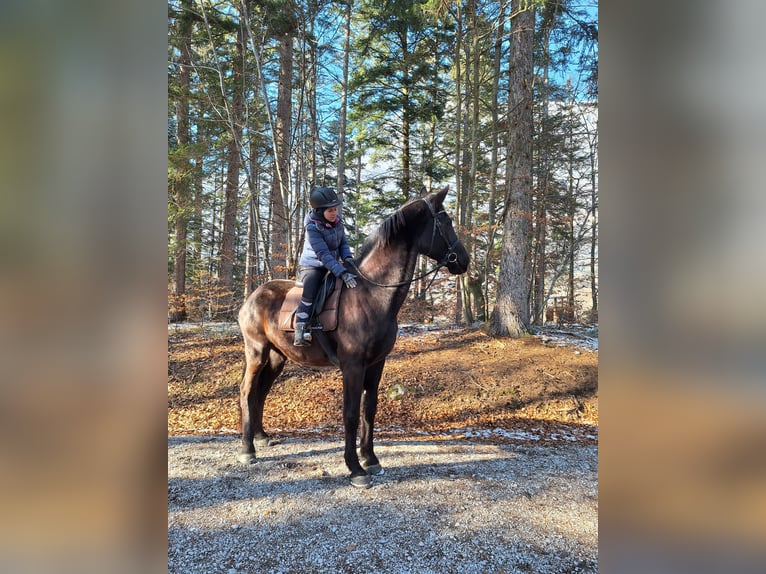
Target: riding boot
[(300, 335)]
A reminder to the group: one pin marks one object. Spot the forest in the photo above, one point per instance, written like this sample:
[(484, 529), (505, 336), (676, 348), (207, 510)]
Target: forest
[(380, 100)]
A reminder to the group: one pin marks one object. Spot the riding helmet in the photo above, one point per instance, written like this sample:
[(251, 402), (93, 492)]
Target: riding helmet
[(324, 197)]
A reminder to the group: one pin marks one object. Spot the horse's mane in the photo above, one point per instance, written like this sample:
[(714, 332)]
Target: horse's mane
[(389, 228)]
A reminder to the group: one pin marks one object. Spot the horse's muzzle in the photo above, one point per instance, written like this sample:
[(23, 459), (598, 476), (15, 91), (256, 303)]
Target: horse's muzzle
[(457, 261)]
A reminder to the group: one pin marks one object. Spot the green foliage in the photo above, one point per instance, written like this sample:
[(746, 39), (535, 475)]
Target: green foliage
[(400, 61), (279, 16)]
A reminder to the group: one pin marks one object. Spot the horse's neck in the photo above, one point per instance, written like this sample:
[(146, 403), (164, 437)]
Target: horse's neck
[(390, 265)]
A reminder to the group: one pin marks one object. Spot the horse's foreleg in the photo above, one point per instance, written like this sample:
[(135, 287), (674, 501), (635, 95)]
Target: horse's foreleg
[(369, 408), (353, 380)]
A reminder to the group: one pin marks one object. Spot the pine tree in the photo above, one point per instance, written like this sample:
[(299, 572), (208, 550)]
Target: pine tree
[(510, 315), (393, 78), (179, 161)]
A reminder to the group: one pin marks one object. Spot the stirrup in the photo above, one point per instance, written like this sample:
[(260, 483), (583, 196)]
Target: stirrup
[(300, 336)]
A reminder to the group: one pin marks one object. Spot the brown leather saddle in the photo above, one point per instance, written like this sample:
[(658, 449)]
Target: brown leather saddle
[(326, 304)]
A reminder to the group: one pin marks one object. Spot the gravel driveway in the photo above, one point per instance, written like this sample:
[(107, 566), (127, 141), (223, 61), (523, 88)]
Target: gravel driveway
[(442, 506)]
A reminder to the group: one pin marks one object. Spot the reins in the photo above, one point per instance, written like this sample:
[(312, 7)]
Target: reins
[(401, 283), (451, 256)]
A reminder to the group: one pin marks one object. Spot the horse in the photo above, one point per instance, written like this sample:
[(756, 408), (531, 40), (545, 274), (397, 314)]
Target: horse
[(365, 334)]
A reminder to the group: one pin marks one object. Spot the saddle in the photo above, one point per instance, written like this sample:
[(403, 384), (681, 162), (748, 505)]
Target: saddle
[(324, 315)]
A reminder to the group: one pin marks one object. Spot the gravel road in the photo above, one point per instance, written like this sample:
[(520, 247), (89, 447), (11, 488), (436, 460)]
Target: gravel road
[(443, 506)]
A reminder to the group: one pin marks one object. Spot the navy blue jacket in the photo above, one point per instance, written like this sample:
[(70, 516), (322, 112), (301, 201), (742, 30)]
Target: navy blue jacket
[(325, 244)]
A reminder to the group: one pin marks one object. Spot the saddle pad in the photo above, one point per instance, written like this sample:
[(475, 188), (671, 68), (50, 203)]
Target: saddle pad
[(328, 317)]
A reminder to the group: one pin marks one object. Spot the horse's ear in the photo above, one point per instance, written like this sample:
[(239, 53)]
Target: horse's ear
[(423, 191), (441, 194)]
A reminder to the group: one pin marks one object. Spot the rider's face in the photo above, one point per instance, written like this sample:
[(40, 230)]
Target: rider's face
[(330, 213)]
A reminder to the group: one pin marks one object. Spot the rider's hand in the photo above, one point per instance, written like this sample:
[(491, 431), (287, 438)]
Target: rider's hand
[(349, 279)]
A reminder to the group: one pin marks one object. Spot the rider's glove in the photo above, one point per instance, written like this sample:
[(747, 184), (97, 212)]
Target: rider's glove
[(349, 279)]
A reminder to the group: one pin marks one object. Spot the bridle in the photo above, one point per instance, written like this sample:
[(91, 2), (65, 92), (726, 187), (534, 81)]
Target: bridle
[(449, 257)]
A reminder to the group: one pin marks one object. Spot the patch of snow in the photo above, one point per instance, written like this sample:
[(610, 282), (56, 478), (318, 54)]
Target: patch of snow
[(582, 336), (208, 328)]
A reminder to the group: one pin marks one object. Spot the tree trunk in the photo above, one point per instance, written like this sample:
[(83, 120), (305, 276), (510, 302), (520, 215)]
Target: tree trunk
[(538, 280), (280, 185), (459, 184), (593, 246), (458, 98), (489, 262), (476, 295), (225, 281), (594, 230), (510, 315), (307, 128), (573, 242), (178, 311), (469, 192), (251, 257), (406, 153), (341, 179), (541, 215)]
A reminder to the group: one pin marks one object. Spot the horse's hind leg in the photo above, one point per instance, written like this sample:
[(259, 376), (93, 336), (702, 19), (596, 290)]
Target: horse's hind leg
[(263, 366), (269, 373), (369, 407)]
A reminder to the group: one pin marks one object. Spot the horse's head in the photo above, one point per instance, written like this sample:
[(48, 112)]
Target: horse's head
[(438, 239)]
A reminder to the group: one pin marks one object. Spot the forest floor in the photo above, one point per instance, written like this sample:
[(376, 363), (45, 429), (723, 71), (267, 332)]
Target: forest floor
[(435, 381), (489, 446)]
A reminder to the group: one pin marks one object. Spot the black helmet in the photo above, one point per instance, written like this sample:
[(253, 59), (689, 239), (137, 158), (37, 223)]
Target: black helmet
[(323, 197)]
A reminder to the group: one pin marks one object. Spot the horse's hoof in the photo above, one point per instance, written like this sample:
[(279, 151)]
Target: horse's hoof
[(374, 469), (363, 481), (246, 458), (264, 442)]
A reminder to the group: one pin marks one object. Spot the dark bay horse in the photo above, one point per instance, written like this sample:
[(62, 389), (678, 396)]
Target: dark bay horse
[(366, 332)]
